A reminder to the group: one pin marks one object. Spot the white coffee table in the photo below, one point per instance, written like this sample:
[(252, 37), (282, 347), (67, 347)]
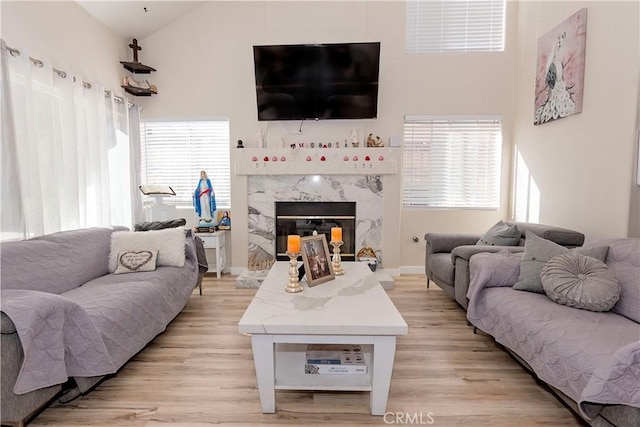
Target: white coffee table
[(352, 309)]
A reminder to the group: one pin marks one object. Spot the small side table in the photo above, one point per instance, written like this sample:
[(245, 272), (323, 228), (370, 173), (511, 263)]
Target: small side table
[(216, 241)]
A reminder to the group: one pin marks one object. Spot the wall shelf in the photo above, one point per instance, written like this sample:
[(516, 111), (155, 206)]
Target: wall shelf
[(136, 91), (137, 67)]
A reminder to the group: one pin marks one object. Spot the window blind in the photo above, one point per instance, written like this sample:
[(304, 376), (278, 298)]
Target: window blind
[(452, 162), (455, 26), (174, 153)]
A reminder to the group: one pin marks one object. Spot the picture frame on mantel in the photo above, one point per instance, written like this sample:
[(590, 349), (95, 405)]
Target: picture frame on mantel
[(316, 259)]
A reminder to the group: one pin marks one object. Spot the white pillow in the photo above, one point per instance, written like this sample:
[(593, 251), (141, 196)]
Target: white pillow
[(134, 261), (170, 244)]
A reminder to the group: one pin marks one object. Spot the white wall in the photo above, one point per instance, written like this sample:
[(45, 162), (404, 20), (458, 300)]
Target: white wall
[(68, 36), (205, 69), (471, 84), (583, 164)]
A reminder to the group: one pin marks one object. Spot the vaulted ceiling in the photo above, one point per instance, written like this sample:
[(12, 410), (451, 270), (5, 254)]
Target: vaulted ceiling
[(138, 19)]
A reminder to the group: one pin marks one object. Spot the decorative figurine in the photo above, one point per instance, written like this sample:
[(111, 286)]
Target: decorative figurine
[(354, 138), (259, 139), (204, 201), (371, 142)]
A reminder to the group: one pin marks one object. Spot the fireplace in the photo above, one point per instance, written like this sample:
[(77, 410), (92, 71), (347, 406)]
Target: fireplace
[(303, 218), (263, 191)]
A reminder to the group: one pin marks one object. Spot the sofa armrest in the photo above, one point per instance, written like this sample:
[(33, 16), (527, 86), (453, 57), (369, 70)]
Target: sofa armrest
[(446, 242), (16, 408), (467, 251)]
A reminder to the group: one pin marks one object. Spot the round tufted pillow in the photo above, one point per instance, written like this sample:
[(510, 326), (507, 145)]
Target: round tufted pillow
[(580, 281)]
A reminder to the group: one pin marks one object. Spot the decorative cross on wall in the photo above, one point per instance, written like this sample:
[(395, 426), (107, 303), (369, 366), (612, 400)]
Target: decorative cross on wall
[(135, 66), (134, 46)]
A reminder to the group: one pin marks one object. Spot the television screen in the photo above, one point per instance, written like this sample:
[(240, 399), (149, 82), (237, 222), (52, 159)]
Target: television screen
[(319, 81)]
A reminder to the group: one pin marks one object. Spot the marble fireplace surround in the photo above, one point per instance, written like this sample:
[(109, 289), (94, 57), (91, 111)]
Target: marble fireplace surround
[(365, 190), (359, 175)]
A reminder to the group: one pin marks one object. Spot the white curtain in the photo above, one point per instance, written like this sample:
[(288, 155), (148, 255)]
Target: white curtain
[(70, 146), (12, 213), (135, 159), (119, 160)]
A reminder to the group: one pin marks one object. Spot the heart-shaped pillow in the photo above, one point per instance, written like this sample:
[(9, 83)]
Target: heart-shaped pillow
[(134, 261)]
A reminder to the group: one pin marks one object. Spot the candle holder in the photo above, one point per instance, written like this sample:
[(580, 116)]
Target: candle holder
[(294, 285), (336, 261)]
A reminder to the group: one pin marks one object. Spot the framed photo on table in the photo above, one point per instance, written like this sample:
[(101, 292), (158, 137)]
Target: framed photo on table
[(223, 220), (316, 259)]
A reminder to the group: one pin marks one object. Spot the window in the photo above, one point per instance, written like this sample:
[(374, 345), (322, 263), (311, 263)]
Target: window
[(174, 153), (450, 162), (455, 26)]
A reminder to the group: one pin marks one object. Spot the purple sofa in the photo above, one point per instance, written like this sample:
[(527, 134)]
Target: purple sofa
[(590, 359), (58, 296)]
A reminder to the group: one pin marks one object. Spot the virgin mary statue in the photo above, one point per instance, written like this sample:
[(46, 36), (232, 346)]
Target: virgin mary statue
[(204, 200)]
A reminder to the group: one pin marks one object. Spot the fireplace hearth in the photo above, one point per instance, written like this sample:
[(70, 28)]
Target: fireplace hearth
[(303, 218)]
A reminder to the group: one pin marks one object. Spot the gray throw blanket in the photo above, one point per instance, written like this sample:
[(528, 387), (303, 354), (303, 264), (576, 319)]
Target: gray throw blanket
[(594, 358), (58, 338)]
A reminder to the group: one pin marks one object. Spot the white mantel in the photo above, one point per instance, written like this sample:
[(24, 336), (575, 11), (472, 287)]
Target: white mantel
[(309, 161)]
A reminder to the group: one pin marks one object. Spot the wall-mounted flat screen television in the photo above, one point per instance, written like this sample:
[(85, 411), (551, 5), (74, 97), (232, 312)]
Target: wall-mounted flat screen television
[(317, 81)]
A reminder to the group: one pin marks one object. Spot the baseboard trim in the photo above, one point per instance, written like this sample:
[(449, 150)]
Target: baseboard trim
[(393, 272), (412, 269)]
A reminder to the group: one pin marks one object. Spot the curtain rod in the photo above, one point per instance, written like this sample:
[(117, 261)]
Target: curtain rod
[(38, 63)]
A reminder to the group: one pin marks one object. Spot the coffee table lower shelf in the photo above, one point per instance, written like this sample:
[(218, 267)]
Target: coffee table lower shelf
[(290, 375), (277, 369)]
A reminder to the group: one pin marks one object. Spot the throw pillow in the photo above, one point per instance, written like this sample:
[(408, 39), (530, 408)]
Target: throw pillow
[(580, 281), (537, 252), (501, 234), (134, 261), (170, 244), (160, 225)]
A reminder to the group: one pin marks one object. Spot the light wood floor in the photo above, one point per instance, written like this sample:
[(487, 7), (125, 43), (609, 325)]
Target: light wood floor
[(200, 372)]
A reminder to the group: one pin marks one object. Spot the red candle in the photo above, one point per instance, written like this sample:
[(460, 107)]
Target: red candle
[(293, 244), (336, 234)]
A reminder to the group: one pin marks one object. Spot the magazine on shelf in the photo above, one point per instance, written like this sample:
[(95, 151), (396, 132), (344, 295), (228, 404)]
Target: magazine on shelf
[(335, 359)]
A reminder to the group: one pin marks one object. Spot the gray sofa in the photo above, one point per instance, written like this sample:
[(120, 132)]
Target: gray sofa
[(590, 359), (92, 322), (447, 254)]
